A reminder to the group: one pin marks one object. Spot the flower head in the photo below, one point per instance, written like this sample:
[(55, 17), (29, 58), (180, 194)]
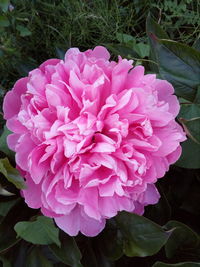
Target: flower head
[(91, 137)]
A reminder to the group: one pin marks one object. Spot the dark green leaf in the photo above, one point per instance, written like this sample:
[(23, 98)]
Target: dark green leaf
[(180, 264), (177, 63), (11, 174), (192, 128), (189, 111), (197, 97), (111, 243), (162, 208), (190, 157), (5, 206), (69, 252), (7, 235), (3, 143), (142, 237), (189, 116), (180, 65), (181, 239), (154, 28), (41, 232), (37, 259)]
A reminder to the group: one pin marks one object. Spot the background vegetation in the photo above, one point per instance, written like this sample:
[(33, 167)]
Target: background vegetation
[(32, 31)]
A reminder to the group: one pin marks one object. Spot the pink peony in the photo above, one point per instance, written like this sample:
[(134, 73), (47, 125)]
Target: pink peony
[(91, 137)]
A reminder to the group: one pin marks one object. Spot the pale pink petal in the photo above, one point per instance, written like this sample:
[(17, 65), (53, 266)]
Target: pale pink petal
[(12, 102)]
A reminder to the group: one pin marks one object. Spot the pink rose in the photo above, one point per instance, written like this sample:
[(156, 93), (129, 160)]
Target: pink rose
[(91, 137)]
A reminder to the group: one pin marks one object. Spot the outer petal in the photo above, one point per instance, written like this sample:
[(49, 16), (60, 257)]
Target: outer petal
[(100, 52), (78, 221), (12, 102), (32, 194)]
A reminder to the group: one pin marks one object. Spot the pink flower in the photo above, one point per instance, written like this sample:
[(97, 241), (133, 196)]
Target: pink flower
[(91, 137)]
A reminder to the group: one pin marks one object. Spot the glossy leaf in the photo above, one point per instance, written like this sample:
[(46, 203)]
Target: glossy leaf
[(189, 116), (110, 242), (11, 174), (154, 28), (178, 64), (189, 111), (162, 208), (89, 258), (192, 128), (68, 252), (190, 157), (141, 236), (182, 239), (41, 232)]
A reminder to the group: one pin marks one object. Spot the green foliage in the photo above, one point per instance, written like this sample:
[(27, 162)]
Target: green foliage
[(68, 252), (3, 143), (180, 18), (7, 205), (32, 31), (141, 237), (36, 258), (42, 231), (11, 174), (183, 240)]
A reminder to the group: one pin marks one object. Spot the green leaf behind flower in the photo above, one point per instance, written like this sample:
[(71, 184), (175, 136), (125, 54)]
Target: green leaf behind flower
[(177, 63), (41, 232), (183, 240), (11, 174), (68, 252), (3, 143), (141, 236)]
